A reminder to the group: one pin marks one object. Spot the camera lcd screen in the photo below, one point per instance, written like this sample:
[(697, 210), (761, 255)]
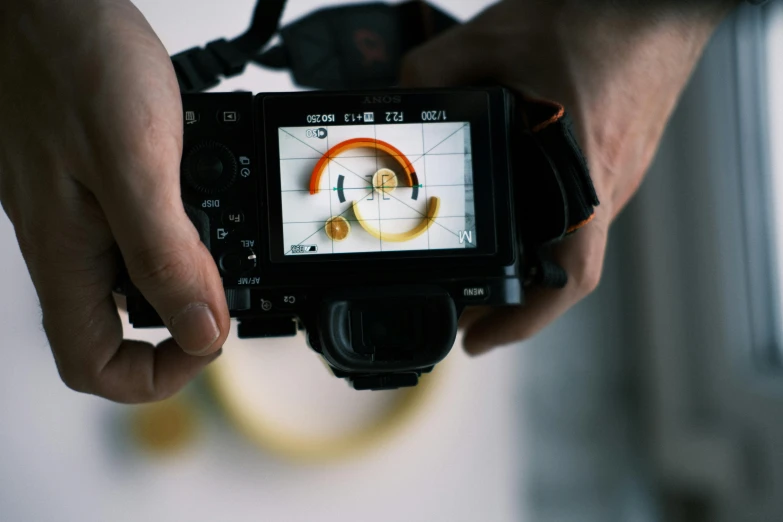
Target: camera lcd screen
[(369, 181)]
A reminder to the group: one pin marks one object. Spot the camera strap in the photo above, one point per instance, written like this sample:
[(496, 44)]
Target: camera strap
[(338, 48), (555, 195), (557, 205), (199, 69), (354, 46)]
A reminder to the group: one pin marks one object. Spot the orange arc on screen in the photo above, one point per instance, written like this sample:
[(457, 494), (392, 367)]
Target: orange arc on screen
[(358, 143)]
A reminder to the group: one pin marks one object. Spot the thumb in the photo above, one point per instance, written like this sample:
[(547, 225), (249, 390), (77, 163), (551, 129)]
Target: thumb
[(166, 259), (460, 56)]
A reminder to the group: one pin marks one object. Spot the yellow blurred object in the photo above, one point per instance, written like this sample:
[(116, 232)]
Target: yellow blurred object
[(272, 437), (165, 427)]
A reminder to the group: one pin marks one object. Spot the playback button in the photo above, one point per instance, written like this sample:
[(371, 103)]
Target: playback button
[(228, 116)]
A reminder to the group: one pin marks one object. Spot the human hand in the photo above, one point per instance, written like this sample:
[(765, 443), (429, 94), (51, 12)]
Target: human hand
[(90, 148), (619, 68)]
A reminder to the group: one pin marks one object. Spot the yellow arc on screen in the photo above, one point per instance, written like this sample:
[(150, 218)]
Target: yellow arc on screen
[(426, 223)]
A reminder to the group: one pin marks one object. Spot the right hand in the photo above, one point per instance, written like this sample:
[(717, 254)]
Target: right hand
[(90, 147), (619, 68)]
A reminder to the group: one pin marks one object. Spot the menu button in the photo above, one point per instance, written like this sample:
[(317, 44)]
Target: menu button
[(475, 293)]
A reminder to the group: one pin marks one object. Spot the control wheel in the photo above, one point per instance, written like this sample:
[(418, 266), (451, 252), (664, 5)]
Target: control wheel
[(209, 168), (238, 299)]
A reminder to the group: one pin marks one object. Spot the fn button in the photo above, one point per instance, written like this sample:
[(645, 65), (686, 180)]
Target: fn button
[(233, 218)]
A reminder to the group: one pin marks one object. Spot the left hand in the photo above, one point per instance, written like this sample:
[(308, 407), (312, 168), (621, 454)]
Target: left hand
[(618, 68)]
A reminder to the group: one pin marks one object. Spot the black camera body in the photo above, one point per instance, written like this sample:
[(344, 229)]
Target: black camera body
[(369, 219)]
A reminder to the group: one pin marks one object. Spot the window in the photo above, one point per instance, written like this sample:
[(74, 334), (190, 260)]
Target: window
[(774, 91), (759, 44)]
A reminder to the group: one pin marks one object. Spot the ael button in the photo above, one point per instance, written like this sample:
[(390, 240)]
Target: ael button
[(238, 261)]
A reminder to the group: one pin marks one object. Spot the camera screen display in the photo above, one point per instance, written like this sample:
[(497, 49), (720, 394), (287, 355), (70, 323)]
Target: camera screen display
[(364, 182)]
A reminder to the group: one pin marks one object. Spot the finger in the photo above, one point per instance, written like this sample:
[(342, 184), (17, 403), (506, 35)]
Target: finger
[(165, 258), (85, 332), (582, 256), (121, 301), (139, 372), (473, 314), (138, 190), (93, 358), (73, 264)]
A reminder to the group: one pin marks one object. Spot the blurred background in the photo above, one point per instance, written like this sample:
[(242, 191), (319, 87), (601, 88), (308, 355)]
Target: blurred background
[(659, 398)]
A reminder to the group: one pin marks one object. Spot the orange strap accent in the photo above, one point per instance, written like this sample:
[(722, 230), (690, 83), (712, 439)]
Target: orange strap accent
[(580, 225), (539, 113), (358, 143), (553, 119)]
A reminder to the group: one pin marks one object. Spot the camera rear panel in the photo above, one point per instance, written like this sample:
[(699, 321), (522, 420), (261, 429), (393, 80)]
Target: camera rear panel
[(220, 182), (226, 175), (371, 220)]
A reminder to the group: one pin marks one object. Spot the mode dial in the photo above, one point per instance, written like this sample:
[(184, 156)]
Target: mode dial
[(209, 167)]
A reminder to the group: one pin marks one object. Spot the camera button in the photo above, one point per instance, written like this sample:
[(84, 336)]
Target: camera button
[(267, 305), (238, 299), (473, 293), (233, 217), (209, 167), (290, 300), (228, 116), (231, 263), (238, 261), (192, 117)]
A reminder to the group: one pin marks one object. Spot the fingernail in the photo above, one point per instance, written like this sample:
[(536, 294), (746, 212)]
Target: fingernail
[(195, 329)]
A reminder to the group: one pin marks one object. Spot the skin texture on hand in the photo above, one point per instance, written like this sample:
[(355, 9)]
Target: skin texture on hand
[(619, 68), (90, 148)]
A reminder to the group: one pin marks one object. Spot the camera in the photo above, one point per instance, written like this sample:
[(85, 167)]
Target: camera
[(370, 220)]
